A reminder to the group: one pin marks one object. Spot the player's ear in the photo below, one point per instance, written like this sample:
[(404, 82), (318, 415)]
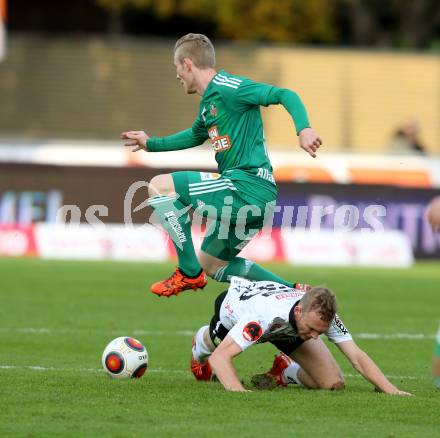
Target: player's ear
[(187, 63)]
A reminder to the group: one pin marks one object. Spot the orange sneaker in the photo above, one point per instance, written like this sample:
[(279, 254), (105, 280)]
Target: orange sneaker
[(178, 283), (199, 370), (273, 377)]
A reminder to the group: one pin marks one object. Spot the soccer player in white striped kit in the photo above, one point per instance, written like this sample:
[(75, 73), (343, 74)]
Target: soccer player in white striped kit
[(292, 320)]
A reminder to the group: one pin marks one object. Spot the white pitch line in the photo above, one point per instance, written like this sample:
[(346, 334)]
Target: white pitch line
[(33, 330), (410, 336), (162, 371), (44, 331), (88, 370)]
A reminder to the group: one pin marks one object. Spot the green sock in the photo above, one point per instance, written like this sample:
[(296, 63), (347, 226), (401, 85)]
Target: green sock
[(175, 219), (247, 269)]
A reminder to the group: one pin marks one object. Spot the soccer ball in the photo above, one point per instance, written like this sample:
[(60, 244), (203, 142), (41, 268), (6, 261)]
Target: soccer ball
[(433, 213), (125, 357)]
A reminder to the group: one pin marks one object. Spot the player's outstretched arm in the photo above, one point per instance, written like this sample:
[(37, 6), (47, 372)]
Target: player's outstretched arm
[(138, 139), (185, 139), (255, 93), (221, 363), (365, 366)]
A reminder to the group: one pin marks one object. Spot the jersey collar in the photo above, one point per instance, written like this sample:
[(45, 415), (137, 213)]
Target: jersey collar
[(210, 82)]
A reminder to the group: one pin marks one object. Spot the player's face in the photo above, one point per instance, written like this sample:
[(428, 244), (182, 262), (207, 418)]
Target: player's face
[(184, 75), (309, 324)]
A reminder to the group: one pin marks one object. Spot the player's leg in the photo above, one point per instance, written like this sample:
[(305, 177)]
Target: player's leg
[(219, 249), (219, 260), (308, 364), (315, 367), (203, 343), (171, 203), (218, 199)]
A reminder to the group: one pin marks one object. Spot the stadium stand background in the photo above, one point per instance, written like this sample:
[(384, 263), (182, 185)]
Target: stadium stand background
[(91, 87)]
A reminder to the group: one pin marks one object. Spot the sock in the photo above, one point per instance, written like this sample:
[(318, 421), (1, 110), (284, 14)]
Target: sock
[(290, 374), (200, 350), (247, 269), (174, 217)]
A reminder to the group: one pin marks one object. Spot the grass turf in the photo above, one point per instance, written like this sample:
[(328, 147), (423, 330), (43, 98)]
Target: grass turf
[(57, 316)]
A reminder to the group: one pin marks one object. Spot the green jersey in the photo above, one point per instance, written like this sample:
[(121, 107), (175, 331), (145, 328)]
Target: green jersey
[(229, 116)]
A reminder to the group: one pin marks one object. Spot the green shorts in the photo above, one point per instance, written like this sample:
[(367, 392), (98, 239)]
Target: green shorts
[(232, 221)]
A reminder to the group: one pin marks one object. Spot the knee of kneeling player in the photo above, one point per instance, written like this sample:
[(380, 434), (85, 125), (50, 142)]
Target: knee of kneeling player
[(338, 385), (334, 385)]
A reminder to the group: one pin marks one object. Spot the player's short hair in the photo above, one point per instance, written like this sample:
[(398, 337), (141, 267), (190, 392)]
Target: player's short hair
[(196, 47), (322, 301)]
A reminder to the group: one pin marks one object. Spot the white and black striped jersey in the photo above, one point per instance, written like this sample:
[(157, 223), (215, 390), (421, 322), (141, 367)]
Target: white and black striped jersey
[(259, 312)]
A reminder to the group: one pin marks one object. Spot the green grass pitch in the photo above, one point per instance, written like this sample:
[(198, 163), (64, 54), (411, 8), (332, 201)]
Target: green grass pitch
[(57, 316)]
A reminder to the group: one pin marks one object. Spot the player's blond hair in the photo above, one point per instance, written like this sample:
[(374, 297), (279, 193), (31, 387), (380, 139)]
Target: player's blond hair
[(322, 301), (196, 47)]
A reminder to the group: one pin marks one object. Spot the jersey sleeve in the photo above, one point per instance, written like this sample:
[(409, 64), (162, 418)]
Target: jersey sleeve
[(337, 331), (186, 139), (250, 93), (248, 330)]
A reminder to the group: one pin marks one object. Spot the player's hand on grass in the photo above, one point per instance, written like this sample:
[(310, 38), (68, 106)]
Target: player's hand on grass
[(394, 391), (399, 392), (137, 139), (310, 141)]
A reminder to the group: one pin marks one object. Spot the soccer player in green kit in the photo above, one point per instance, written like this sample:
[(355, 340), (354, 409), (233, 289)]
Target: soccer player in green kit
[(237, 198)]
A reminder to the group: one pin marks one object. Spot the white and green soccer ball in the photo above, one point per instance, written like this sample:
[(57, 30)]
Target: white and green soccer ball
[(125, 357)]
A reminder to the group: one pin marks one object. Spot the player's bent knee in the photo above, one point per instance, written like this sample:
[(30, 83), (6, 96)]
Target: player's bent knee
[(333, 385), (161, 185), (338, 386)]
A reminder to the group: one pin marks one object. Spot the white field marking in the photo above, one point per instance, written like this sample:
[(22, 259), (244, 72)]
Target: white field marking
[(87, 370), (33, 330), (43, 331), (410, 336), (162, 371), (394, 377)]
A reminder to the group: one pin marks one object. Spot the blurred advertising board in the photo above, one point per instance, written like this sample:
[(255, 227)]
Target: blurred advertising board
[(146, 243), (47, 194)]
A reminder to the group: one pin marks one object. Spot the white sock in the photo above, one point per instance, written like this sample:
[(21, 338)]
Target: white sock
[(290, 374), (200, 350)]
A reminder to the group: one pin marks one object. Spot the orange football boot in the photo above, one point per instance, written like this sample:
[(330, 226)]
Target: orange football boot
[(200, 371), (273, 377), (177, 283)]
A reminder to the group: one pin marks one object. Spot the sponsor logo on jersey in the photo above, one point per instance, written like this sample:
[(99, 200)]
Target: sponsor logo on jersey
[(229, 309), (339, 324), (213, 110), (285, 295), (265, 174), (208, 176), (219, 142), (252, 331)]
